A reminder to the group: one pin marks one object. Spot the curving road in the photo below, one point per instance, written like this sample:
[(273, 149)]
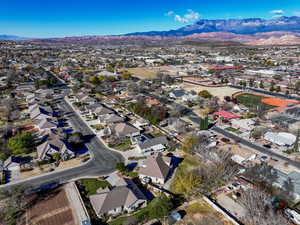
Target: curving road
[(102, 161)]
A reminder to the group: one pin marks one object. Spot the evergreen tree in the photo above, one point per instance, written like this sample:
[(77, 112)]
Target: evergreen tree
[(296, 145)]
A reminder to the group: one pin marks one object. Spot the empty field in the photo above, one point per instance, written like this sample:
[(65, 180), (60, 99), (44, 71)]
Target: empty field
[(142, 72), (220, 92)]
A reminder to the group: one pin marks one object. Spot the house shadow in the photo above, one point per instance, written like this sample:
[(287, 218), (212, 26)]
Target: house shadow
[(175, 161), (144, 189)]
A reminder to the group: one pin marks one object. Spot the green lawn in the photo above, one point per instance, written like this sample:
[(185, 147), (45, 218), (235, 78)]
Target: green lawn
[(253, 101), (125, 145), (231, 129), (92, 185)]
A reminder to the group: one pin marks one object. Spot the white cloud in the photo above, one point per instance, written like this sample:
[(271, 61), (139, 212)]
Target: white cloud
[(277, 11), (180, 19), (170, 13), (190, 16)]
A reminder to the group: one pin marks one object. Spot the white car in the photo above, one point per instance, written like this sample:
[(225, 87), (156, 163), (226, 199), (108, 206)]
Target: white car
[(293, 216), (234, 186), (264, 158)]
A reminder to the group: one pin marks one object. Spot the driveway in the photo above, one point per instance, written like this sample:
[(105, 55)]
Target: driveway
[(232, 206)]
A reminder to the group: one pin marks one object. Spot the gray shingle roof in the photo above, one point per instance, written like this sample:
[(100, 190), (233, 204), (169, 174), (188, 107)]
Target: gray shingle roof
[(124, 195), (152, 142), (155, 166)]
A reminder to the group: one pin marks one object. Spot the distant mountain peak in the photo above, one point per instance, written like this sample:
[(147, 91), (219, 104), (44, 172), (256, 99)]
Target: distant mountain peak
[(236, 26)]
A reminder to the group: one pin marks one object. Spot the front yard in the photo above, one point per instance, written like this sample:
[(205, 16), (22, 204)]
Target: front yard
[(122, 146), (92, 185)]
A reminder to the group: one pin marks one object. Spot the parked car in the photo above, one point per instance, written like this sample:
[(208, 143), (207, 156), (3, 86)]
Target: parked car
[(292, 215), (234, 186), (264, 158), (267, 146), (147, 180), (225, 140)]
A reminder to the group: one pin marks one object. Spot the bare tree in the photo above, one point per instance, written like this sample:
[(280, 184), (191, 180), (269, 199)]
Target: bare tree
[(258, 209)]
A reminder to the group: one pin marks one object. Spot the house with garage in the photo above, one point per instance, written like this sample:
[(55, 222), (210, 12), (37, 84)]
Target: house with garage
[(110, 118), (244, 125), (152, 145), (54, 144), (38, 112), (123, 130), (98, 109), (156, 167), (125, 196), (47, 123)]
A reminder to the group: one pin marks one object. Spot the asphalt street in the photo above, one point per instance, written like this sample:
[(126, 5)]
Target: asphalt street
[(102, 162), (259, 148)]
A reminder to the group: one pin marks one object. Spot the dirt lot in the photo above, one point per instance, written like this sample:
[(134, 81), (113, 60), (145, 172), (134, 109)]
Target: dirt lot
[(143, 72), (216, 91), (198, 210)]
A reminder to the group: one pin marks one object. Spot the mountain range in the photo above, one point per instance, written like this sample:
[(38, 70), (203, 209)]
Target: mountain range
[(12, 37), (253, 31), (237, 26)]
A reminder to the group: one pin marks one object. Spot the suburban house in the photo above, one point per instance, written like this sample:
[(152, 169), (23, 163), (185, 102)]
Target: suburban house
[(123, 130), (175, 94), (175, 124), (98, 109), (47, 123), (54, 144), (156, 167), (281, 138), (84, 98), (110, 118), (12, 163), (244, 125), (149, 146), (226, 115), (125, 196), (39, 112), (141, 123)]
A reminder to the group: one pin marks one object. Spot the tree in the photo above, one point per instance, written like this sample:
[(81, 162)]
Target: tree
[(205, 94), (21, 143), (278, 89), (13, 205), (159, 207), (216, 174), (76, 138), (251, 82), (120, 167), (126, 75), (259, 210), (297, 86), (56, 156), (261, 84), (296, 144), (189, 144), (257, 132), (185, 182), (204, 123)]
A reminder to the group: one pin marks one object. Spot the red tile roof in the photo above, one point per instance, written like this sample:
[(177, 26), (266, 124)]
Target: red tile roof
[(226, 115)]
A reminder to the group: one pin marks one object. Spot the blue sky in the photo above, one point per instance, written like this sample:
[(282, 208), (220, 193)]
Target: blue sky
[(59, 18)]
